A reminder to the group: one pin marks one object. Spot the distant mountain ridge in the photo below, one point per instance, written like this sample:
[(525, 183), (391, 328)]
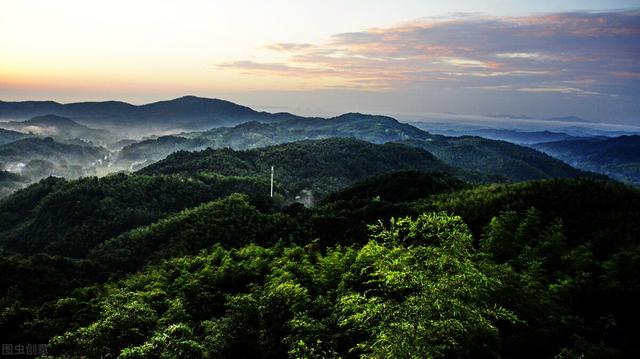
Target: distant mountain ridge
[(253, 134), (188, 111), (497, 160), (618, 157), (556, 118), (514, 136), (568, 119), (217, 123)]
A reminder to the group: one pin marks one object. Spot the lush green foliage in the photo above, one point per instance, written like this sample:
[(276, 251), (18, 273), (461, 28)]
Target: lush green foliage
[(406, 264), (560, 241), (219, 222), (414, 290), (319, 166), (71, 217)]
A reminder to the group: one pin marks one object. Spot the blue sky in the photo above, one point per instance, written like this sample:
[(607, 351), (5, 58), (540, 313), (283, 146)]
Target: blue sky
[(536, 58)]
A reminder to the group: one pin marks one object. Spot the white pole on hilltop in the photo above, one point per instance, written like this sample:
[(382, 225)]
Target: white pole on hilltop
[(271, 181)]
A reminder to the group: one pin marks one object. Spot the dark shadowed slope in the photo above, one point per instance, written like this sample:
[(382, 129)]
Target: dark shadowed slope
[(402, 186)]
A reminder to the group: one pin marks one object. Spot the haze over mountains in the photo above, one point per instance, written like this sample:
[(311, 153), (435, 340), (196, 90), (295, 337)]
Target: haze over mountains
[(103, 137), (188, 112), (617, 157), (7, 136), (190, 205), (503, 161), (59, 127), (447, 179)]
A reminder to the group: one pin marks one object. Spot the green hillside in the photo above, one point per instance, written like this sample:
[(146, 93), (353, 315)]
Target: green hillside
[(68, 218), (245, 279), (513, 162), (498, 160), (319, 166), (190, 258)]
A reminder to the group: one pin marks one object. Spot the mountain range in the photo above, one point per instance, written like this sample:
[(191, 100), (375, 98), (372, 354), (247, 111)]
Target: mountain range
[(618, 157), (514, 136), (305, 171), (84, 143), (188, 112), (374, 226), (574, 119), (499, 160), (191, 255)]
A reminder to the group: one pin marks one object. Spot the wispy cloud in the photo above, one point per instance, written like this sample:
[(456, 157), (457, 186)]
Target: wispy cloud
[(288, 46), (580, 53), (564, 90)]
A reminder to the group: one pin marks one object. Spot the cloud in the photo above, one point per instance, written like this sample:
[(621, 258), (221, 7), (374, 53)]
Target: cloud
[(596, 52), (288, 46), (563, 90), (521, 55), (263, 67)]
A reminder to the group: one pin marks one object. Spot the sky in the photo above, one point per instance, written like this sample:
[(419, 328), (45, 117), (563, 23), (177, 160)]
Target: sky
[(396, 57)]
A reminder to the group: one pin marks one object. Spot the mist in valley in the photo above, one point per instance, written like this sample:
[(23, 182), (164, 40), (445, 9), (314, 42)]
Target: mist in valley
[(40, 145)]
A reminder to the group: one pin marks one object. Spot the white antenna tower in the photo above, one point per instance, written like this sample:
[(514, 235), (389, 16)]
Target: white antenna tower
[(271, 181)]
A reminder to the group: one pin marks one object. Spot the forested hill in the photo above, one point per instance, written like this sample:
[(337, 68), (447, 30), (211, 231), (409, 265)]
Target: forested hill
[(514, 162), (190, 258), (501, 161), (482, 271), (57, 216), (46, 148), (320, 166), (618, 157), (58, 127), (394, 187)]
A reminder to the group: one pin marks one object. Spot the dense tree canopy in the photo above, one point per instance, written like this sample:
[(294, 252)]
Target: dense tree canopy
[(174, 263)]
